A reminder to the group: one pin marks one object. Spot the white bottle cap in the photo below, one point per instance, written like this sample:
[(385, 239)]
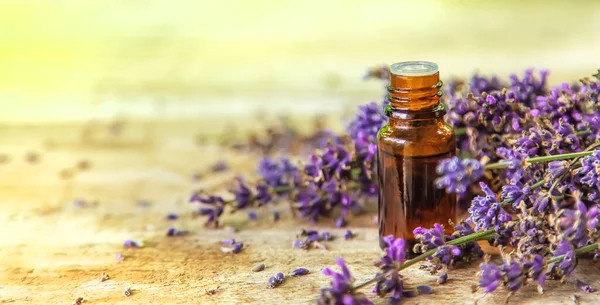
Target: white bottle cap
[(414, 68)]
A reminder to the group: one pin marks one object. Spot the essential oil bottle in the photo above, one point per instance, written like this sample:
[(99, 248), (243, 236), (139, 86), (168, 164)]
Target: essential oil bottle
[(410, 146)]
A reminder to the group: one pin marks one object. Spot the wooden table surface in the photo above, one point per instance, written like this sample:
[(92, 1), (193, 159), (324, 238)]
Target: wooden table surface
[(52, 251)]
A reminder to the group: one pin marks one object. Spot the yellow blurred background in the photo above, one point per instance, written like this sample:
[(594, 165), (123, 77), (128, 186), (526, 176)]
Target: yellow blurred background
[(72, 60)]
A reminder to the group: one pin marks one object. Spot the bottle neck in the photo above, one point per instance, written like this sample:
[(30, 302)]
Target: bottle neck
[(415, 98)]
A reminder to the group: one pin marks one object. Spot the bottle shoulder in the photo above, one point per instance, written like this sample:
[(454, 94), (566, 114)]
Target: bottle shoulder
[(424, 140)]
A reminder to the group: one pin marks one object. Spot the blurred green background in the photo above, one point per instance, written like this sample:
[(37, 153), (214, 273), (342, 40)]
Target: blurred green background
[(72, 60)]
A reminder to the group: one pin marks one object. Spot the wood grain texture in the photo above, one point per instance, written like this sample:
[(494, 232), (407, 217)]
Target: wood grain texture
[(52, 252)]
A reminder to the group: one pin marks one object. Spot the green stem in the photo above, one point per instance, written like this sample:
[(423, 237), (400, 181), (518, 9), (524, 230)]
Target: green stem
[(503, 164), (584, 249), (410, 262)]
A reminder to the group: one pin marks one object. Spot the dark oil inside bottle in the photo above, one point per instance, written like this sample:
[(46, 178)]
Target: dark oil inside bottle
[(410, 147), (409, 198)]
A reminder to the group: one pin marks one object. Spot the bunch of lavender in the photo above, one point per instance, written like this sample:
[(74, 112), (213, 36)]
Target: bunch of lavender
[(338, 176), (489, 114)]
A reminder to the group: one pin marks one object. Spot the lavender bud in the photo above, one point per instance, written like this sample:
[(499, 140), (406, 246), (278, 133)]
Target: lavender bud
[(276, 280), (348, 235), (409, 293), (228, 242), (424, 289), (326, 236), (280, 277), (258, 268), (584, 287), (273, 282), (252, 215), (340, 222), (172, 216), (130, 244), (442, 279), (276, 216), (300, 244), (237, 248), (299, 272)]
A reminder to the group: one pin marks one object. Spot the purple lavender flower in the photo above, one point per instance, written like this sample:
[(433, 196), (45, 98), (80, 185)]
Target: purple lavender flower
[(311, 204), (368, 119), (424, 289), (276, 280), (430, 238), (341, 291), (243, 196), (394, 253), (515, 160), (279, 175), (479, 84), (456, 175), (590, 170), (337, 197), (199, 197), (300, 244), (252, 215), (565, 266), (528, 88), (300, 272), (574, 224), (263, 196), (235, 248), (393, 285), (172, 216), (513, 278), (340, 222), (326, 236), (516, 193), (348, 235), (174, 232), (486, 212), (584, 287), (536, 270), (442, 279), (228, 242), (212, 213), (467, 250), (130, 244), (489, 277)]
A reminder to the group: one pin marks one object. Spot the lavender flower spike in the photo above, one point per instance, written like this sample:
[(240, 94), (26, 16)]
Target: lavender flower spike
[(590, 170), (341, 291), (456, 174), (486, 212)]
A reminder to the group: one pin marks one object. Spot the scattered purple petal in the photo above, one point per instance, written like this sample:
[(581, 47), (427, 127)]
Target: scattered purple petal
[(172, 216), (228, 242), (299, 272), (584, 287), (131, 244), (175, 232), (252, 215), (349, 235)]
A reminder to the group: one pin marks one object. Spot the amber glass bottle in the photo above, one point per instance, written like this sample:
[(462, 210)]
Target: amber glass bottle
[(409, 148)]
